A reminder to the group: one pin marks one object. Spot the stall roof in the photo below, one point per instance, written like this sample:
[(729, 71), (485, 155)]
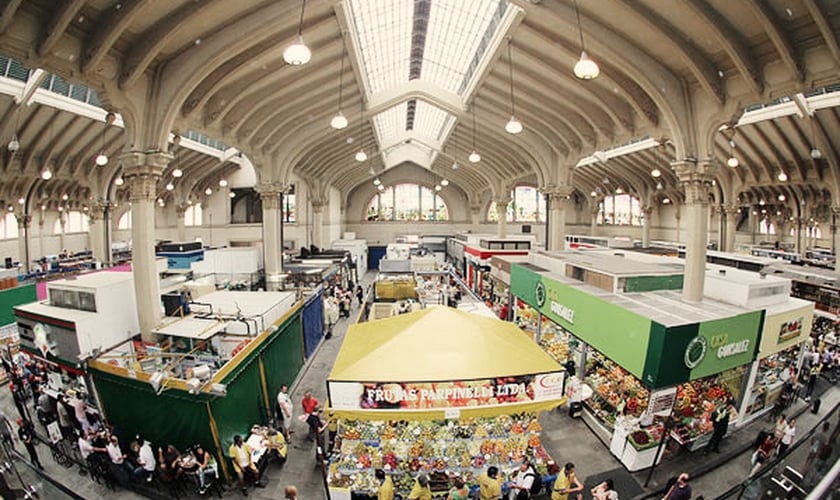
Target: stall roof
[(247, 303), (435, 344), (92, 280), (192, 327), (59, 313), (616, 263)]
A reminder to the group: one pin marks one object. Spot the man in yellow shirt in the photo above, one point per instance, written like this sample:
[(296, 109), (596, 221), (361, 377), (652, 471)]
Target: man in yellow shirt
[(489, 485), (421, 490), (566, 484), (386, 486), (276, 444), (240, 454)]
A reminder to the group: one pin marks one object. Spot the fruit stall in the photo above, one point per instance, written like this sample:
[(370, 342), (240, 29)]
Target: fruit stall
[(470, 397)]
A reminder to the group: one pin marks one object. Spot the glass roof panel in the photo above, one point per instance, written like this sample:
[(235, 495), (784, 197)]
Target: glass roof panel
[(429, 121), (383, 30), (391, 122)]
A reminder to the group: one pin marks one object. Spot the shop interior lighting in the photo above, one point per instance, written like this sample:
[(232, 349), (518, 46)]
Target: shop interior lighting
[(298, 53), (732, 161), (444, 182), (585, 68), (170, 187), (14, 144)]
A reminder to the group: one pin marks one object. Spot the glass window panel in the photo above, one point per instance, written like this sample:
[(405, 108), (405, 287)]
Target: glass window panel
[(430, 120), (17, 71), (78, 93), (442, 210), (427, 204), (8, 227), (59, 86), (408, 202), (391, 122), (125, 221), (386, 205)]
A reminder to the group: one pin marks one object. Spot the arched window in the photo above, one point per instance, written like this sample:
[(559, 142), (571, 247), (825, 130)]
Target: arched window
[(527, 204), (192, 216), (409, 202), (814, 232), (76, 222), (766, 227), (125, 221), (8, 227), (620, 209)]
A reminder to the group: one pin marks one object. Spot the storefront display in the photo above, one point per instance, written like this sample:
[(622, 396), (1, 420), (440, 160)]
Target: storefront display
[(614, 391), (697, 400), (405, 448)]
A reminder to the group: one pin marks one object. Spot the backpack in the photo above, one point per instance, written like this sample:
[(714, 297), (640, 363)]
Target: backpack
[(536, 486)]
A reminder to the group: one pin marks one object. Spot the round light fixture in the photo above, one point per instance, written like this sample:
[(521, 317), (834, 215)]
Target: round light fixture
[(21, 201), (438, 187), (586, 68), (361, 155), (377, 182), (101, 159), (170, 186), (659, 186), (232, 194), (761, 202), (782, 176), (474, 157), (177, 173), (223, 182), (782, 197), (297, 53), (618, 190), (733, 162), (655, 172), (455, 166), (14, 144), (380, 187), (119, 181), (65, 197), (513, 126), (593, 194), (46, 174), (815, 152), (444, 182), (339, 121), (208, 191), (665, 201)]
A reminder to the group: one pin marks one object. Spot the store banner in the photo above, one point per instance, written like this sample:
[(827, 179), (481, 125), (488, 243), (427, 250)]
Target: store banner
[(454, 394), (619, 334), (786, 329)]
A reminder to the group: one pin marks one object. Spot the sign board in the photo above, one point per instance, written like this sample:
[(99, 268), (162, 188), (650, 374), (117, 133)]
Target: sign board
[(442, 395), (785, 329), (661, 402)]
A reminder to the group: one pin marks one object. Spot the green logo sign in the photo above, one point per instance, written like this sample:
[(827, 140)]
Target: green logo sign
[(540, 294), (695, 351)]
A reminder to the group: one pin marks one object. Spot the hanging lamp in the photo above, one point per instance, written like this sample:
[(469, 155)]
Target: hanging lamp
[(298, 54), (474, 156), (339, 121), (585, 68), (513, 125)]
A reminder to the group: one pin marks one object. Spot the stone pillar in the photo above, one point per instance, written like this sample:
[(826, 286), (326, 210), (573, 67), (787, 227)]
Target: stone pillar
[(797, 231), (141, 173), (24, 221), (272, 244), (731, 228), (557, 198), (593, 222), (96, 232), (317, 222), (62, 221), (501, 211), (107, 232), (181, 223), (647, 211), (475, 216), (677, 219), (41, 223), (835, 235), (696, 179)]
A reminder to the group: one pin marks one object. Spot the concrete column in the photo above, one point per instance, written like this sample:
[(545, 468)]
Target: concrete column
[(835, 234), (24, 240), (41, 223), (317, 223), (557, 198), (475, 216), (272, 246), (141, 173), (593, 222), (677, 219), (181, 223), (647, 211), (731, 213), (797, 231), (696, 178), (107, 233), (501, 210), (62, 221), (96, 232)]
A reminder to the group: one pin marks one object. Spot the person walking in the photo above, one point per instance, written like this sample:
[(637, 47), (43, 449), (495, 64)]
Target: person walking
[(787, 437), (761, 454), (25, 433), (779, 428), (813, 373), (680, 490)]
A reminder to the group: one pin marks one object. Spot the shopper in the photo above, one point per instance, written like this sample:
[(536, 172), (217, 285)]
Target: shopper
[(421, 490), (566, 484), (284, 411), (206, 468), (316, 426), (680, 490), (290, 493), (25, 433), (762, 454), (813, 373), (605, 491), (169, 460), (386, 486), (787, 437), (243, 464), (118, 458), (779, 428), (489, 485), (308, 403), (459, 490), (360, 294), (146, 462), (818, 440), (720, 424), (523, 479)]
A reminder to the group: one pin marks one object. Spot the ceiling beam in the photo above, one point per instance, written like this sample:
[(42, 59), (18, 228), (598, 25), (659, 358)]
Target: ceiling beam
[(827, 32), (62, 16), (770, 22), (108, 30)]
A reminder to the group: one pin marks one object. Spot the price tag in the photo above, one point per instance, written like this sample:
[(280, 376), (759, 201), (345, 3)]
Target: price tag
[(452, 413)]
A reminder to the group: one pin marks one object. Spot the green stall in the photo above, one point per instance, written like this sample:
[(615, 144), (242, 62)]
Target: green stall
[(177, 416), (638, 356)]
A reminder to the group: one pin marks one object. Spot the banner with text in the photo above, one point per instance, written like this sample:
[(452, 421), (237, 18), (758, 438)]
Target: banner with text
[(440, 395)]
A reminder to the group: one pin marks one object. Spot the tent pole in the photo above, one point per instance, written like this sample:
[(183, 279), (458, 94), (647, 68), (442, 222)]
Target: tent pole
[(215, 432), (264, 385)]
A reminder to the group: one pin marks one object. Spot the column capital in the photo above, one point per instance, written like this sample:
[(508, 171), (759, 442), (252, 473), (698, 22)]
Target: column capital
[(23, 220), (696, 179), (475, 207), (317, 206), (181, 209), (730, 210), (557, 195), (141, 172), (835, 209), (646, 210), (270, 193), (97, 211)]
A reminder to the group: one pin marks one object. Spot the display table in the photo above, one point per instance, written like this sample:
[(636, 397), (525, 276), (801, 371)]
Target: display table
[(691, 443)]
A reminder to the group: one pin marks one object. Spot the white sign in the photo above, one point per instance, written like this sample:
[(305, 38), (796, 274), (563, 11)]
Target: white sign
[(563, 311), (452, 413), (732, 349), (661, 402)]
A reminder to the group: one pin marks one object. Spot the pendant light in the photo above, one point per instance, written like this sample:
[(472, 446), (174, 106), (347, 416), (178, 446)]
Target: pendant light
[(102, 158), (815, 152), (177, 172), (223, 182), (298, 54), (474, 156), (732, 161), (339, 121), (119, 181), (513, 125), (585, 68), (655, 172), (783, 177), (14, 144)]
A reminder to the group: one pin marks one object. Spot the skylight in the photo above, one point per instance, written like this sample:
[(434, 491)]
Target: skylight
[(441, 43)]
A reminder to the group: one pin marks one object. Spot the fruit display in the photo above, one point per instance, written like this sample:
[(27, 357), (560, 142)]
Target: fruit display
[(613, 389), (696, 400), (406, 448)]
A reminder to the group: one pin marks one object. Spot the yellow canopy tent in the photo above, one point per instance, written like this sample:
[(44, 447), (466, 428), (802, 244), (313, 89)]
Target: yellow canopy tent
[(440, 362)]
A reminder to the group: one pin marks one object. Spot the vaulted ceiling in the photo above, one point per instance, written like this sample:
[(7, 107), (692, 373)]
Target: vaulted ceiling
[(217, 66)]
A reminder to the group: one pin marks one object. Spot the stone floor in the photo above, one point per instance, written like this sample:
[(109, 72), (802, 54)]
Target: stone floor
[(565, 438)]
